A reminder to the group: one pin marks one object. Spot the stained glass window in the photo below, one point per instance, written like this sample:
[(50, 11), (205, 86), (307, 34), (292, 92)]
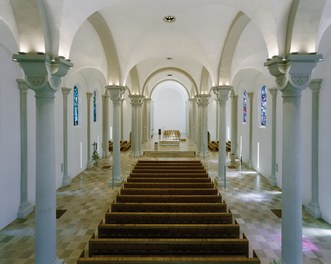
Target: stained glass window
[(95, 106), (244, 107), (263, 106), (75, 113)]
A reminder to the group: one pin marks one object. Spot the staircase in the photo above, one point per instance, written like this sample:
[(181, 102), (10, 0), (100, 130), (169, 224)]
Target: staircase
[(168, 212)]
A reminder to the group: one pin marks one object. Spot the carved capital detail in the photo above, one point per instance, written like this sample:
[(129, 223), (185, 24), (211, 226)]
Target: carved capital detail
[(294, 70), (43, 74)]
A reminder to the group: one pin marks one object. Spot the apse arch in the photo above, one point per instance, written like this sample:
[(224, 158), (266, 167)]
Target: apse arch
[(169, 107), (186, 74)]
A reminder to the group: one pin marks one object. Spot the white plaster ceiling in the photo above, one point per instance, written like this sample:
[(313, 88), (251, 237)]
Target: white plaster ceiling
[(201, 40)]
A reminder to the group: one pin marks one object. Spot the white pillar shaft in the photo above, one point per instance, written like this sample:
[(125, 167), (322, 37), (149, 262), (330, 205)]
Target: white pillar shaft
[(273, 179), (135, 136), (314, 144), (45, 181), (148, 119), (139, 128), (291, 182), (234, 124), (250, 153), (116, 169), (105, 126), (204, 131), (66, 179), (25, 206), (222, 139), (313, 207), (89, 156)]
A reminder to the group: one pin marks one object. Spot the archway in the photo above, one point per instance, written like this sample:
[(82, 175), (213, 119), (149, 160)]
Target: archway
[(169, 107)]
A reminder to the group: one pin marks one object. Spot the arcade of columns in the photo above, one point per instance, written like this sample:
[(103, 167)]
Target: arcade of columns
[(292, 74)]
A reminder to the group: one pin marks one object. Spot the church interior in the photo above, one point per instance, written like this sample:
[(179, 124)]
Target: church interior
[(155, 131)]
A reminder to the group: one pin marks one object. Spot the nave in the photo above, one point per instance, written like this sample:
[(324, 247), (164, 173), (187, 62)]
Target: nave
[(248, 195)]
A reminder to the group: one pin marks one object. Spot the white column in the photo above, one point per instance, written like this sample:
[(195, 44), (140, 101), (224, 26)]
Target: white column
[(195, 122), (25, 207), (135, 103), (144, 121), (89, 154), (66, 179), (222, 93), (148, 118), (250, 136), (45, 80), (116, 92), (105, 126), (122, 118), (292, 76), (273, 179), (313, 207), (203, 100), (234, 123), (140, 124)]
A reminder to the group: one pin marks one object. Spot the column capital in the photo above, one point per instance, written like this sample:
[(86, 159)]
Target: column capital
[(115, 92), (65, 91), (294, 71), (250, 95), (222, 92), (105, 96), (42, 73), (22, 85), (273, 91), (89, 95), (136, 99), (203, 99), (315, 85)]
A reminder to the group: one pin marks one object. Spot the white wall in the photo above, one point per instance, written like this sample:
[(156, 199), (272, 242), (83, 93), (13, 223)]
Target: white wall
[(169, 107), (9, 121), (323, 71)]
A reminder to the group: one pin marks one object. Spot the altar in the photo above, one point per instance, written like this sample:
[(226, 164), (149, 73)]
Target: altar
[(170, 138)]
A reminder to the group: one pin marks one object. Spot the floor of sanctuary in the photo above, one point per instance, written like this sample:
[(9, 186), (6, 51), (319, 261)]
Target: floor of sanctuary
[(248, 195)]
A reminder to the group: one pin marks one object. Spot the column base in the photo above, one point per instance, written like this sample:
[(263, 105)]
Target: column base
[(117, 182), (66, 181), (313, 209), (203, 155), (272, 180), (90, 164), (24, 209), (135, 154), (59, 261)]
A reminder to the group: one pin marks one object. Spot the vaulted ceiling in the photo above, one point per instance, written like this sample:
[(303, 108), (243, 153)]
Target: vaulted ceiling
[(142, 49)]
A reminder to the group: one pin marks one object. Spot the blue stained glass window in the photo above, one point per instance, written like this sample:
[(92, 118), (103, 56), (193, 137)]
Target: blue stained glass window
[(75, 113), (95, 106), (244, 107), (263, 106)]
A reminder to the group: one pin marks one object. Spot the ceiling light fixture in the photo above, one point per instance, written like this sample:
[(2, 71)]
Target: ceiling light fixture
[(169, 58), (169, 19), (169, 74)]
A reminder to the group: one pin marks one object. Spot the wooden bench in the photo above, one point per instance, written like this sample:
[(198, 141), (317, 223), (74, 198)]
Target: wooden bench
[(168, 246), (168, 207), (164, 191), (168, 231), (167, 185), (169, 174), (168, 161), (169, 199), (169, 180), (169, 170), (167, 218)]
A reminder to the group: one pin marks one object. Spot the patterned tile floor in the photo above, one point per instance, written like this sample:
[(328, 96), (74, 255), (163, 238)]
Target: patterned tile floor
[(248, 195)]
